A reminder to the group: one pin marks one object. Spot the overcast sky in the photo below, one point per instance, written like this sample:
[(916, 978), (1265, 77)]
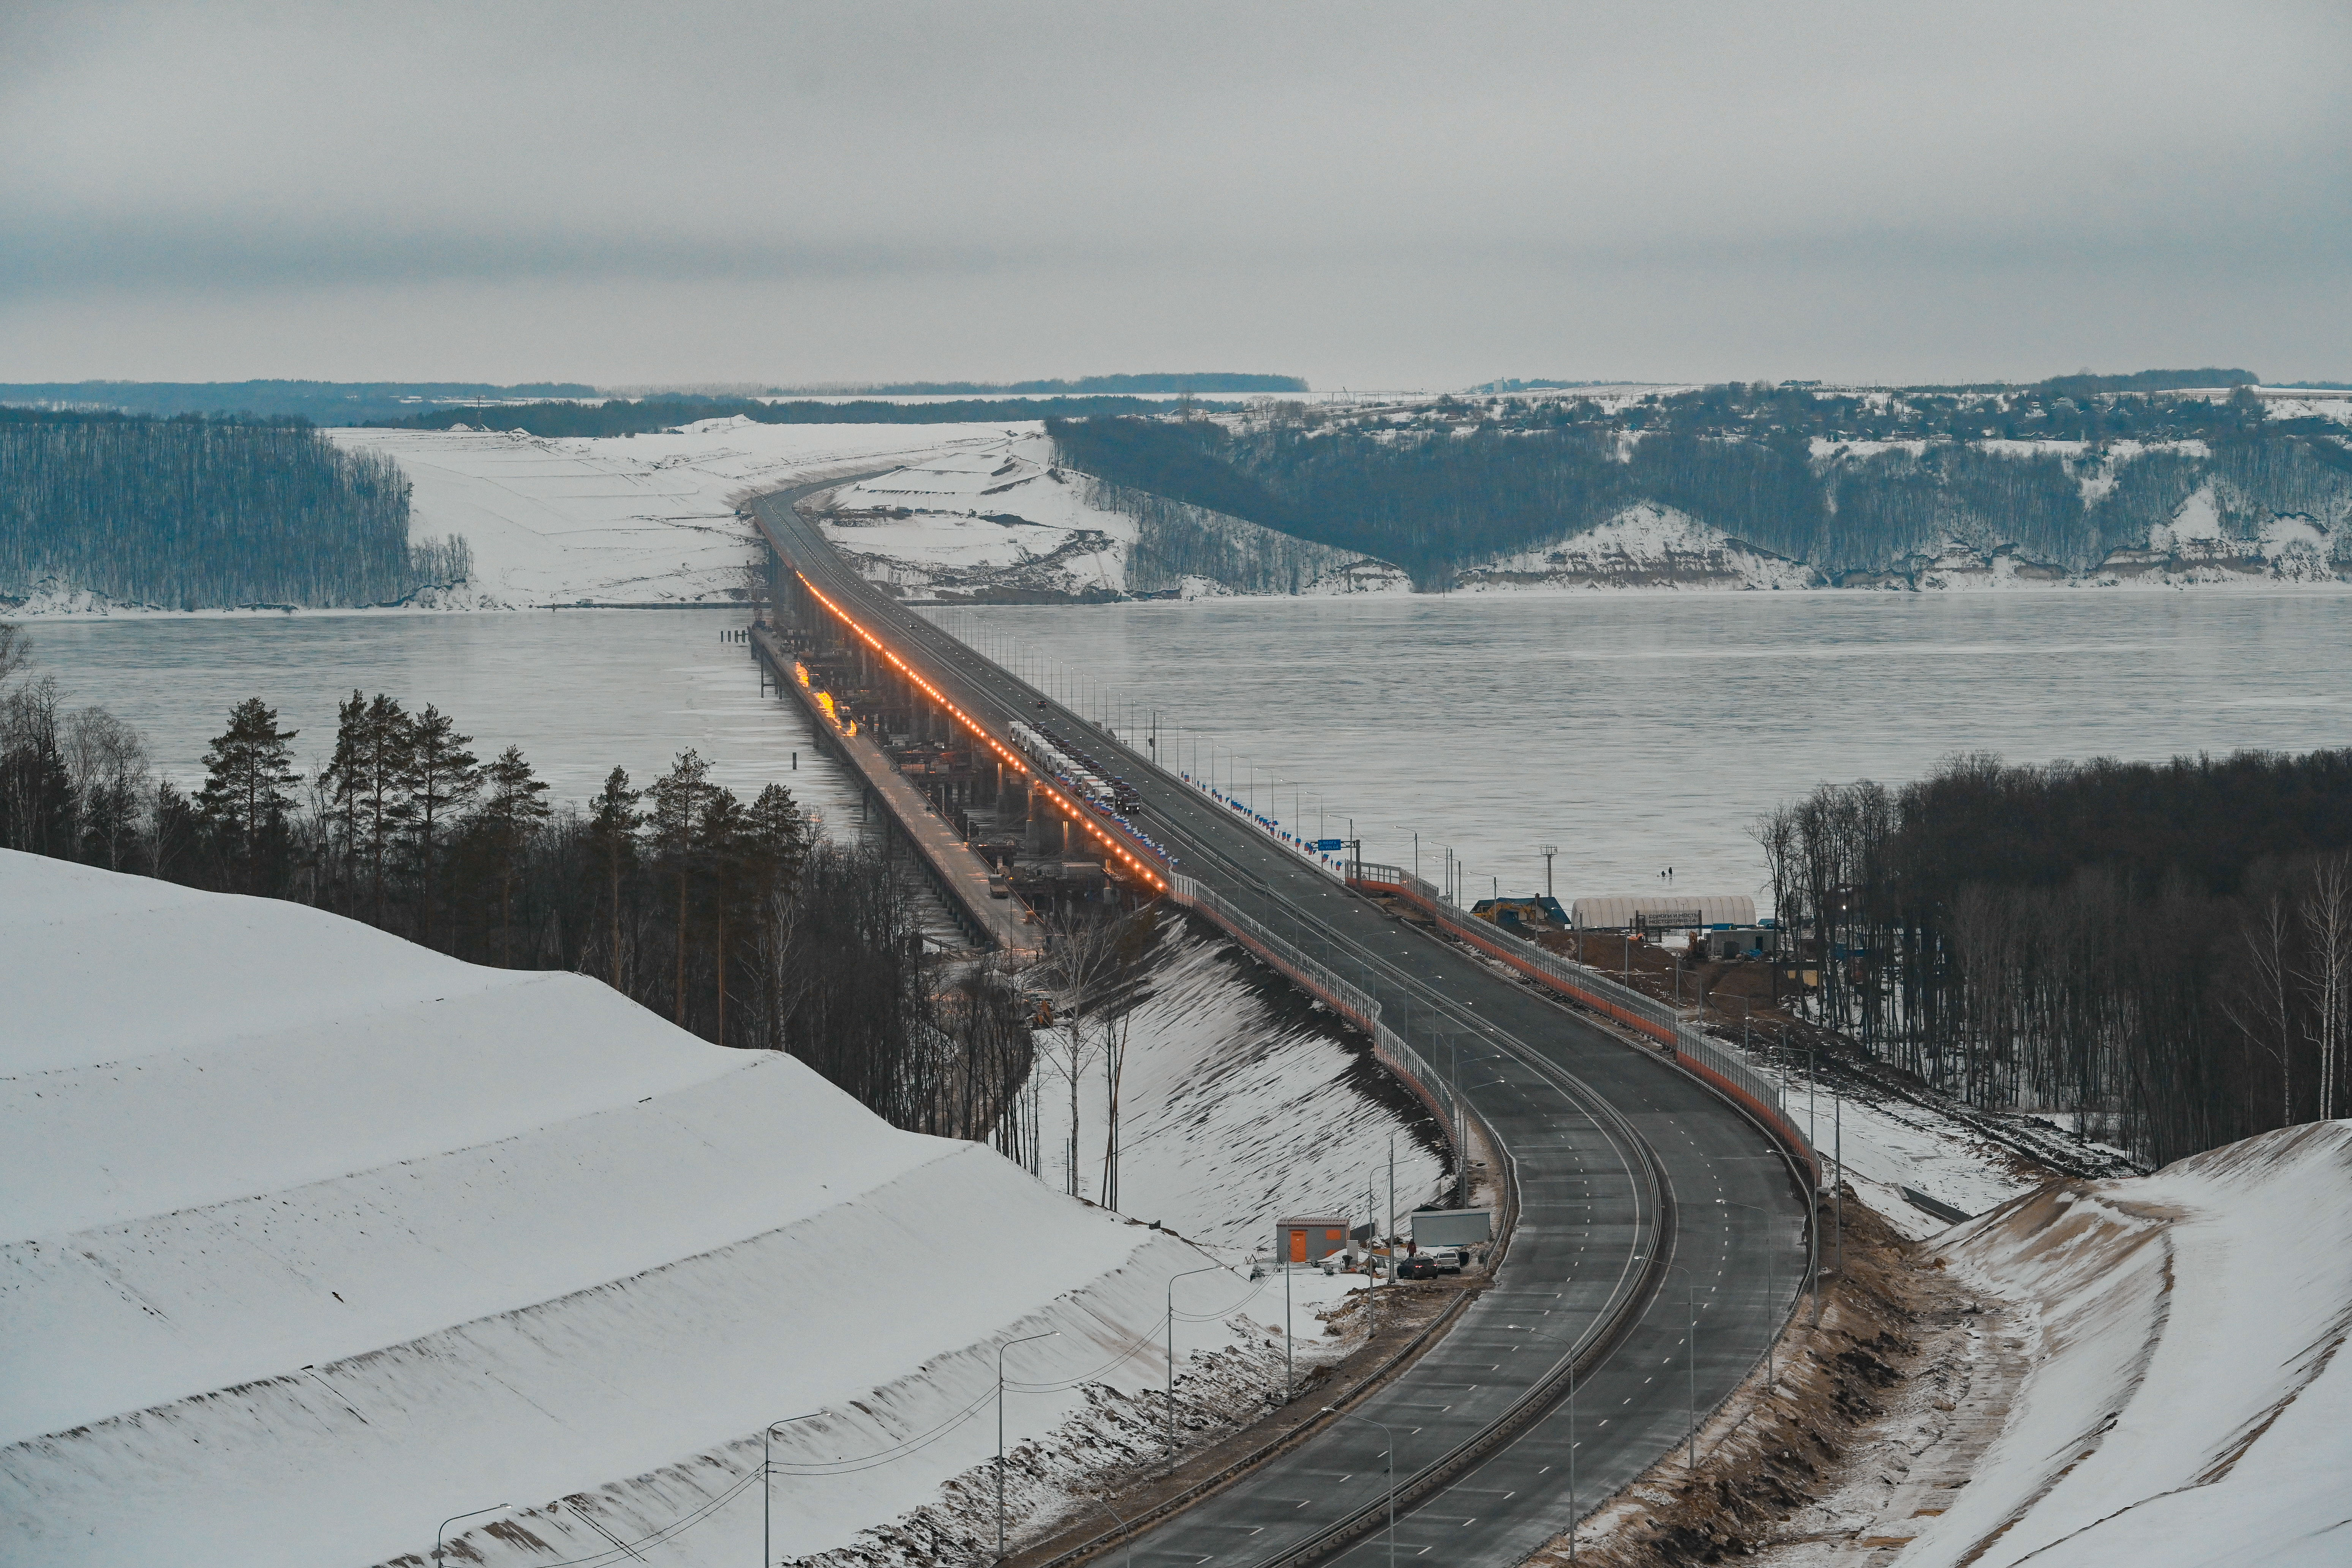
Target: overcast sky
[(1372, 195)]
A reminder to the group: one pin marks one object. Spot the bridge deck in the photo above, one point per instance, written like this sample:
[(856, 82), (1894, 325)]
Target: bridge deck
[(1625, 1166), (961, 874)]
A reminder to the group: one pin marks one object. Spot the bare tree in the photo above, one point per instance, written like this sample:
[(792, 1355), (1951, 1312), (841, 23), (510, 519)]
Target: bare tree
[(2328, 925), (2262, 1009)]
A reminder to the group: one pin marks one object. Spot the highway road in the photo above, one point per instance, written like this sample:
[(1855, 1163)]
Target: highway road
[(1644, 1200)]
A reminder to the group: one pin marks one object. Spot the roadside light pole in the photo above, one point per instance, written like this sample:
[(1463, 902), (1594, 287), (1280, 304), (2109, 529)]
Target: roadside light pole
[(1771, 1289), (1104, 1504), (1211, 1268), (1548, 851), (439, 1535), (766, 1471), (1390, 1456), (1008, 1344), (1573, 1518)]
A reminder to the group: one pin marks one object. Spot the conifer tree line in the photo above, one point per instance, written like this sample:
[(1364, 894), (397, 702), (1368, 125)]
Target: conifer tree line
[(723, 915), (2164, 949), (1463, 482), (197, 514)]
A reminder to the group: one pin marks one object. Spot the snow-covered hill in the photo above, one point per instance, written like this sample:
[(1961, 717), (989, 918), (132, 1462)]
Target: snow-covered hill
[(314, 1237), (631, 520), (1643, 547), (1003, 522), (2185, 1400)]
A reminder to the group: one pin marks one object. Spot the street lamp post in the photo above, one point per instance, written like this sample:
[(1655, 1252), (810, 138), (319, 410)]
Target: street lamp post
[(1548, 851), (1572, 1516), (1390, 1456), (1771, 1288), (440, 1534), (1104, 1504), (1211, 1268), (766, 1471), (1690, 1359), (1008, 1344)]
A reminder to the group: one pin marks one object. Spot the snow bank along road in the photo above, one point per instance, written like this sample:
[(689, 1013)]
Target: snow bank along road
[(1645, 1202), (2184, 1400)]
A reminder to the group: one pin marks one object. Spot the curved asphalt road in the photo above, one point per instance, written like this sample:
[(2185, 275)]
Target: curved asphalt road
[(1613, 1150)]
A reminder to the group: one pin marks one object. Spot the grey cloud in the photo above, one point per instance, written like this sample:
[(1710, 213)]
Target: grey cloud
[(1364, 185)]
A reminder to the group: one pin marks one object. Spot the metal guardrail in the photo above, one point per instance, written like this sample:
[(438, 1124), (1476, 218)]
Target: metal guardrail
[(1346, 998)]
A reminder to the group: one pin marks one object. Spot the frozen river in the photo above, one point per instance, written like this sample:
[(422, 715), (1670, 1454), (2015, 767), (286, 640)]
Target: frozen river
[(1634, 731), (579, 690), (1643, 730)]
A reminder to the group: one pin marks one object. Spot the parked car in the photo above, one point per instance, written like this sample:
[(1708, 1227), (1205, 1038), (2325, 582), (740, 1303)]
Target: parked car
[(1419, 1266)]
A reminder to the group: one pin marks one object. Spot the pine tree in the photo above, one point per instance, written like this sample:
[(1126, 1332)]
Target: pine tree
[(679, 798), (511, 814), (344, 779), (613, 830), (382, 740), (442, 776), (719, 840), (249, 778), (776, 838)]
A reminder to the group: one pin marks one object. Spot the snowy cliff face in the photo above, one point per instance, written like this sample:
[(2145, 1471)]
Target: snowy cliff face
[(2187, 1402), (1641, 547), (1004, 523), (315, 1237)]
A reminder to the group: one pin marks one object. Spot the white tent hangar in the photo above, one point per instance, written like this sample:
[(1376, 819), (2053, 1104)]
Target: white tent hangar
[(1671, 911)]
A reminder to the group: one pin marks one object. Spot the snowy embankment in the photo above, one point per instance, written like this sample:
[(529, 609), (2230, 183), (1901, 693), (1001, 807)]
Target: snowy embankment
[(1238, 1105), (1005, 521), (316, 1237), (623, 519), (2184, 1402)]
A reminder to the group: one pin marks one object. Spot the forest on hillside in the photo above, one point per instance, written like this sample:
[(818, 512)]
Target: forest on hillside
[(2161, 949), (725, 915), (197, 514), (1814, 478), (319, 402)]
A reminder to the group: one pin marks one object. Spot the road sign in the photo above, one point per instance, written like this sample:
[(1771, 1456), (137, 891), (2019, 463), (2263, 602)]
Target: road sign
[(1328, 845)]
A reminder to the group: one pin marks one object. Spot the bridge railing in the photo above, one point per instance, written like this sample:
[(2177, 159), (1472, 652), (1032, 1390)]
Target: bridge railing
[(1348, 999), (1693, 1048)]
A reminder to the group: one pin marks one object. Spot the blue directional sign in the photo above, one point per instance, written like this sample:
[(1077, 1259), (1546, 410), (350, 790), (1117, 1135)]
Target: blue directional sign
[(1329, 844)]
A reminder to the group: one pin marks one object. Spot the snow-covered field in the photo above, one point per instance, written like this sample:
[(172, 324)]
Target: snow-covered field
[(315, 1237), (2183, 1402), (633, 520)]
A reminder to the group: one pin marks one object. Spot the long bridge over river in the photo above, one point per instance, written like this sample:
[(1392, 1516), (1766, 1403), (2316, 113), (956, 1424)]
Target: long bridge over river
[(1659, 1204)]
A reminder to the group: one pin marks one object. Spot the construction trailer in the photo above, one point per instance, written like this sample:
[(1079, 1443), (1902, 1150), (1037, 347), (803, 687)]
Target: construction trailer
[(1736, 941), (1310, 1240), (1452, 1227)]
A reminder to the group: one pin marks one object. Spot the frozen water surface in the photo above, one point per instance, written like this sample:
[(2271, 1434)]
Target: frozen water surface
[(1643, 730), (579, 690), (1635, 730)]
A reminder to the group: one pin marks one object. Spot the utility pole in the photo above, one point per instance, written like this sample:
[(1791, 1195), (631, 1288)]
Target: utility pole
[(1172, 1349), (999, 1433), (1548, 851), (1286, 1325)]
